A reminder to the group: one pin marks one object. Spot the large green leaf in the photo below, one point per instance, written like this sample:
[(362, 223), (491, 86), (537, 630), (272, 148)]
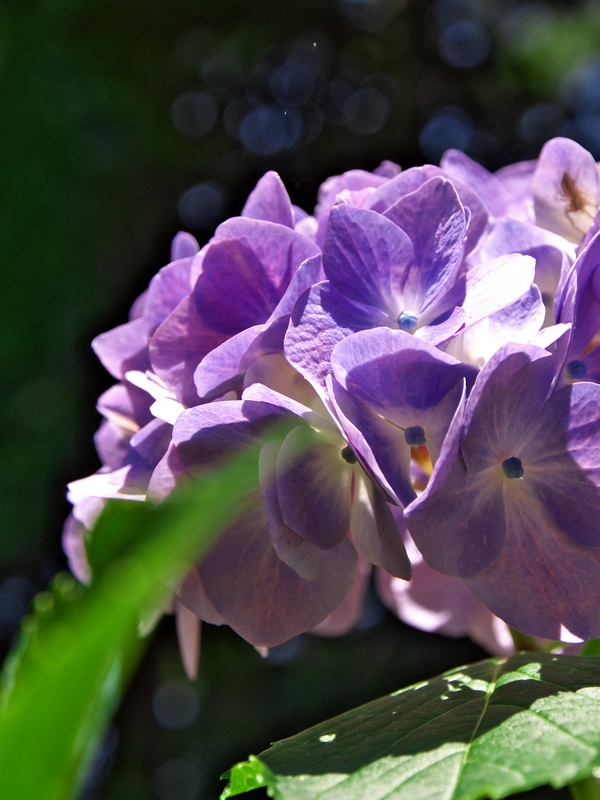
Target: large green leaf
[(488, 730), (64, 679)]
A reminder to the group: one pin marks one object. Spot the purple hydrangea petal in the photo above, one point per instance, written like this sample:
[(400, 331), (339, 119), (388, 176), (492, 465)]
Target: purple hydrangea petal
[(167, 289), (112, 444), (166, 475), (434, 219), (374, 530), (490, 189), (518, 322), (368, 433), (439, 603), (566, 189), (410, 180), (294, 550), (586, 315), (124, 348), (307, 274), (178, 346), (349, 613), (561, 455), (205, 434), (459, 524), (259, 596), (245, 275), (192, 595), (491, 286), (184, 245), (391, 369), (321, 318), (354, 180), (545, 589), (507, 397), (516, 178), (366, 257), (269, 201), (219, 370), (313, 487)]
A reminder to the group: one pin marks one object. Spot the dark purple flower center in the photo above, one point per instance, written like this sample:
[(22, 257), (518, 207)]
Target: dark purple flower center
[(407, 321), (415, 436), (513, 467), (576, 370), (348, 455)]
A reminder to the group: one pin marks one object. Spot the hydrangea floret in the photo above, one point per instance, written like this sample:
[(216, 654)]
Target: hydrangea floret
[(432, 337)]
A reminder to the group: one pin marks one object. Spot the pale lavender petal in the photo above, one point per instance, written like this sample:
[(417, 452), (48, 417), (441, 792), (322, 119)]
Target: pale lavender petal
[(259, 596), (566, 189), (491, 286), (167, 289), (188, 638), (516, 178), (367, 257), (587, 298), (313, 487), (354, 180), (184, 245), (178, 346), (491, 190), (439, 603), (125, 405), (518, 322), (112, 444), (124, 348), (269, 201), (151, 441)]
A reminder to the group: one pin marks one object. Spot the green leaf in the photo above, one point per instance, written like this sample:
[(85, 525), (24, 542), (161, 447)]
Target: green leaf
[(77, 648), (487, 730), (247, 775)]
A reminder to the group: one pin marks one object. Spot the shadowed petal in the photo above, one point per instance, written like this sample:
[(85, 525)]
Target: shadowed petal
[(313, 487), (375, 533), (259, 596), (541, 583), (295, 551)]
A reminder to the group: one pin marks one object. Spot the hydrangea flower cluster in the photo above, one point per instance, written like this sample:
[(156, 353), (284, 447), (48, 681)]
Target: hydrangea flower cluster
[(432, 336)]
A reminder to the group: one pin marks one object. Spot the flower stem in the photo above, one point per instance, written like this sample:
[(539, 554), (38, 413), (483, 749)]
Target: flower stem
[(585, 789), (523, 641)]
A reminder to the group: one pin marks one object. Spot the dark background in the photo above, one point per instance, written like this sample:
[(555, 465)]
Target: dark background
[(123, 121)]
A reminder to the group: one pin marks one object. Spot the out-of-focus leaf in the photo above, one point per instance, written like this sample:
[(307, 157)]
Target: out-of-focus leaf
[(487, 730), (77, 648)]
